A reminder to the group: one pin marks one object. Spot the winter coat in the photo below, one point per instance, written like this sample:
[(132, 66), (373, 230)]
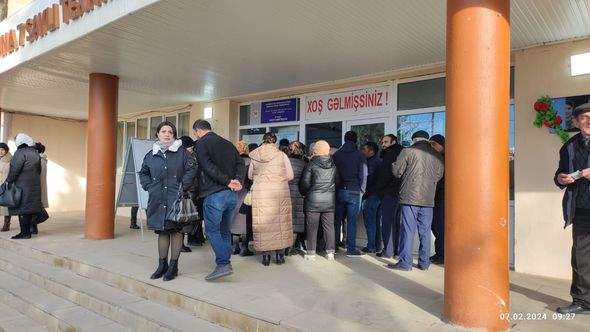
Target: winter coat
[(566, 165), (352, 167), (219, 163), (25, 172), (420, 167), (386, 182), (318, 185), (373, 164), (162, 176), (271, 199), (298, 164), (44, 199), (440, 187), (238, 225), (4, 167)]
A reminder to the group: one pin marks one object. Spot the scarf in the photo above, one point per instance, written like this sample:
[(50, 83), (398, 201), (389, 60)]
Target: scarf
[(166, 146)]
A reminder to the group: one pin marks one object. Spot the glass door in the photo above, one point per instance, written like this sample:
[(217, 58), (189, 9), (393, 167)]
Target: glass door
[(369, 130)]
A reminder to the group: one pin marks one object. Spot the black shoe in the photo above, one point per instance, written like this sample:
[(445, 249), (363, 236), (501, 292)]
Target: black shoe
[(133, 225), (34, 230), (220, 272), (289, 251), (439, 260), (195, 243), (236, 249), (21, 236), (340, 244), (369, 251), (185, 249), (266, 260), (356, 253), (280, 258), (172, 271), (423, 268), (162, 268), (574, 308), (434, 257), (246, 253), (397, 266), (381, 254)]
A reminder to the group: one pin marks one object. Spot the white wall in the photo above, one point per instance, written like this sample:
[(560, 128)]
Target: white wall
[(542, 246)]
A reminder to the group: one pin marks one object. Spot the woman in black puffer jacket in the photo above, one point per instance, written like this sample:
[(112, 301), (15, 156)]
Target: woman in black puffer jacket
[(318, 185), (298, 163)]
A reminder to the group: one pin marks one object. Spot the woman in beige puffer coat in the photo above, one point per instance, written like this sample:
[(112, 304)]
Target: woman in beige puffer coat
[(270, 170)]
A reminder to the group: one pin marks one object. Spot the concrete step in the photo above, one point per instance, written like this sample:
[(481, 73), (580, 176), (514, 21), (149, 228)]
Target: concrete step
[(52, 311), (203, 308), (129, 310), (12, 320)]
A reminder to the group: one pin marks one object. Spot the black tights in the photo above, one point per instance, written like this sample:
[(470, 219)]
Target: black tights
[(172, 240), (25, 221)]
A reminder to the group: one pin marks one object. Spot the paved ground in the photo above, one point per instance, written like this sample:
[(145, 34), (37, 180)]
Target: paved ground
[(350, 294)]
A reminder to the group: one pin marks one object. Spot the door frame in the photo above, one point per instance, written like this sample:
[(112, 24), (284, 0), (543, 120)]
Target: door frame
[(388, 127)]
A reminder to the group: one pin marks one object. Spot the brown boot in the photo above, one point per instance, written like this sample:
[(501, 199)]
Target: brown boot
[(6, 226)]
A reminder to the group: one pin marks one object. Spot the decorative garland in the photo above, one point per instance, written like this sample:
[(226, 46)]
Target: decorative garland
[(547, 116)]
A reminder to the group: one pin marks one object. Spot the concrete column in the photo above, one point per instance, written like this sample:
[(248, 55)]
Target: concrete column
[(477, 101), (102, 156)]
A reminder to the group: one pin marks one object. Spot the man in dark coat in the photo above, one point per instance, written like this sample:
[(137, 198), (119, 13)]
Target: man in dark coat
[(352, 168), (221, 174), (438, 218), (388, 190), (573, 175), (25, 172), (371, 205), (420, 167)]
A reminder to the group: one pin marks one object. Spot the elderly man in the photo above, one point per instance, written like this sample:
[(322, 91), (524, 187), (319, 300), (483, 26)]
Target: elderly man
[(420, 167), (573, 175)]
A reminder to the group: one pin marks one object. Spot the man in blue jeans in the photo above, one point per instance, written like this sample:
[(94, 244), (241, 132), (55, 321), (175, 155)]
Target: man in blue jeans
[(420, 167), (221, 174), (371, 203), (352, 168)]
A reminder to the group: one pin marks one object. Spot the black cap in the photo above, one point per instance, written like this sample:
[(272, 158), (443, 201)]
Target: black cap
[(581, 109), (420, 134), (187, 142), (440, 139)]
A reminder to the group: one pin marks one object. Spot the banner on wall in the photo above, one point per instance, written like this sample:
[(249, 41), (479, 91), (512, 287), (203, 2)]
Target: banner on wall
[(279, 111), (356, 102)]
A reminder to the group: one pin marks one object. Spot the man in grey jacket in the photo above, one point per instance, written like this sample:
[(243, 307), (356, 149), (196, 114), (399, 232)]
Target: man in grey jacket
[(420, 167)]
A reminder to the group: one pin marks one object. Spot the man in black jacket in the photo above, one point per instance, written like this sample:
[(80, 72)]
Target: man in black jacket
[(573, 175), (371, 202), (388, 190), (221, 174)]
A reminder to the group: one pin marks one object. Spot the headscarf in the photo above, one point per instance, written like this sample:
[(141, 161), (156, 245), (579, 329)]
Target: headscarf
[(24, 139)]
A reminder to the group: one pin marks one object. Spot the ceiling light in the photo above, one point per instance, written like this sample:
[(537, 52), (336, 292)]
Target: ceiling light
[(580, 64)]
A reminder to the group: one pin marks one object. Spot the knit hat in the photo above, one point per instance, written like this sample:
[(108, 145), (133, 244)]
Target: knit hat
[(581, 109), (420, 134), (242, 147), (187, 142), (321, 148), (440, 139), (24, 139)]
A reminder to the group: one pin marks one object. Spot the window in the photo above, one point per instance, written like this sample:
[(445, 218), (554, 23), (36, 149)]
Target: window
[(142, 128), (154, 122), (421, 94), (433, 123), (120, 143), (328, 131), (172, 119), (131, 130), (244, 115), (184, 125), (253, 135), (289, 132)]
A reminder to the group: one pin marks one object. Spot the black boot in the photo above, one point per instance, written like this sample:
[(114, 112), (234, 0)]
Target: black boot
[(172, 270), (237, 247), (133, 224), (162, 267), (266, 259), (6, 226), (34, 229), (280, 257), (25, 228)]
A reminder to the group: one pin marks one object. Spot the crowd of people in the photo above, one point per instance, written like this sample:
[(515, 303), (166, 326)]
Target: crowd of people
[(282, 198), (27, 169)]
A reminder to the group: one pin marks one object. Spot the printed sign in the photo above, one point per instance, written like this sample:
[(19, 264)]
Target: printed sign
[(363, 101), (279, 111)]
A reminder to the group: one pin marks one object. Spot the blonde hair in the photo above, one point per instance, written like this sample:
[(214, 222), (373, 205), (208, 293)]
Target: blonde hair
[(321, 148), (242, 147)]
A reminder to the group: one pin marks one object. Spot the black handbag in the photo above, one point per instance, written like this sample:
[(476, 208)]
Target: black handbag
[(10, 195), (183, 211)]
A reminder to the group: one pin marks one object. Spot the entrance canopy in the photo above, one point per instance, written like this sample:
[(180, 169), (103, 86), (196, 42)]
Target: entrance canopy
[(178, 51)]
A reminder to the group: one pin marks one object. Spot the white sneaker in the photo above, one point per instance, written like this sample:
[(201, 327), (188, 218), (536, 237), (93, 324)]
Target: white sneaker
[(330, 256), (310, 257)]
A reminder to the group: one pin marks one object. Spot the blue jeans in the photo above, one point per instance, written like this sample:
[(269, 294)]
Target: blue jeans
[(415, 217), (219, 210), (347, 205), (372, 218), (389, 205), (438, 227)]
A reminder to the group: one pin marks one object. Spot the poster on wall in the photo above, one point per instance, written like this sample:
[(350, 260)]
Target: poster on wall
[(279, 111), (565, 107), (370, 100), (255, 113)]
